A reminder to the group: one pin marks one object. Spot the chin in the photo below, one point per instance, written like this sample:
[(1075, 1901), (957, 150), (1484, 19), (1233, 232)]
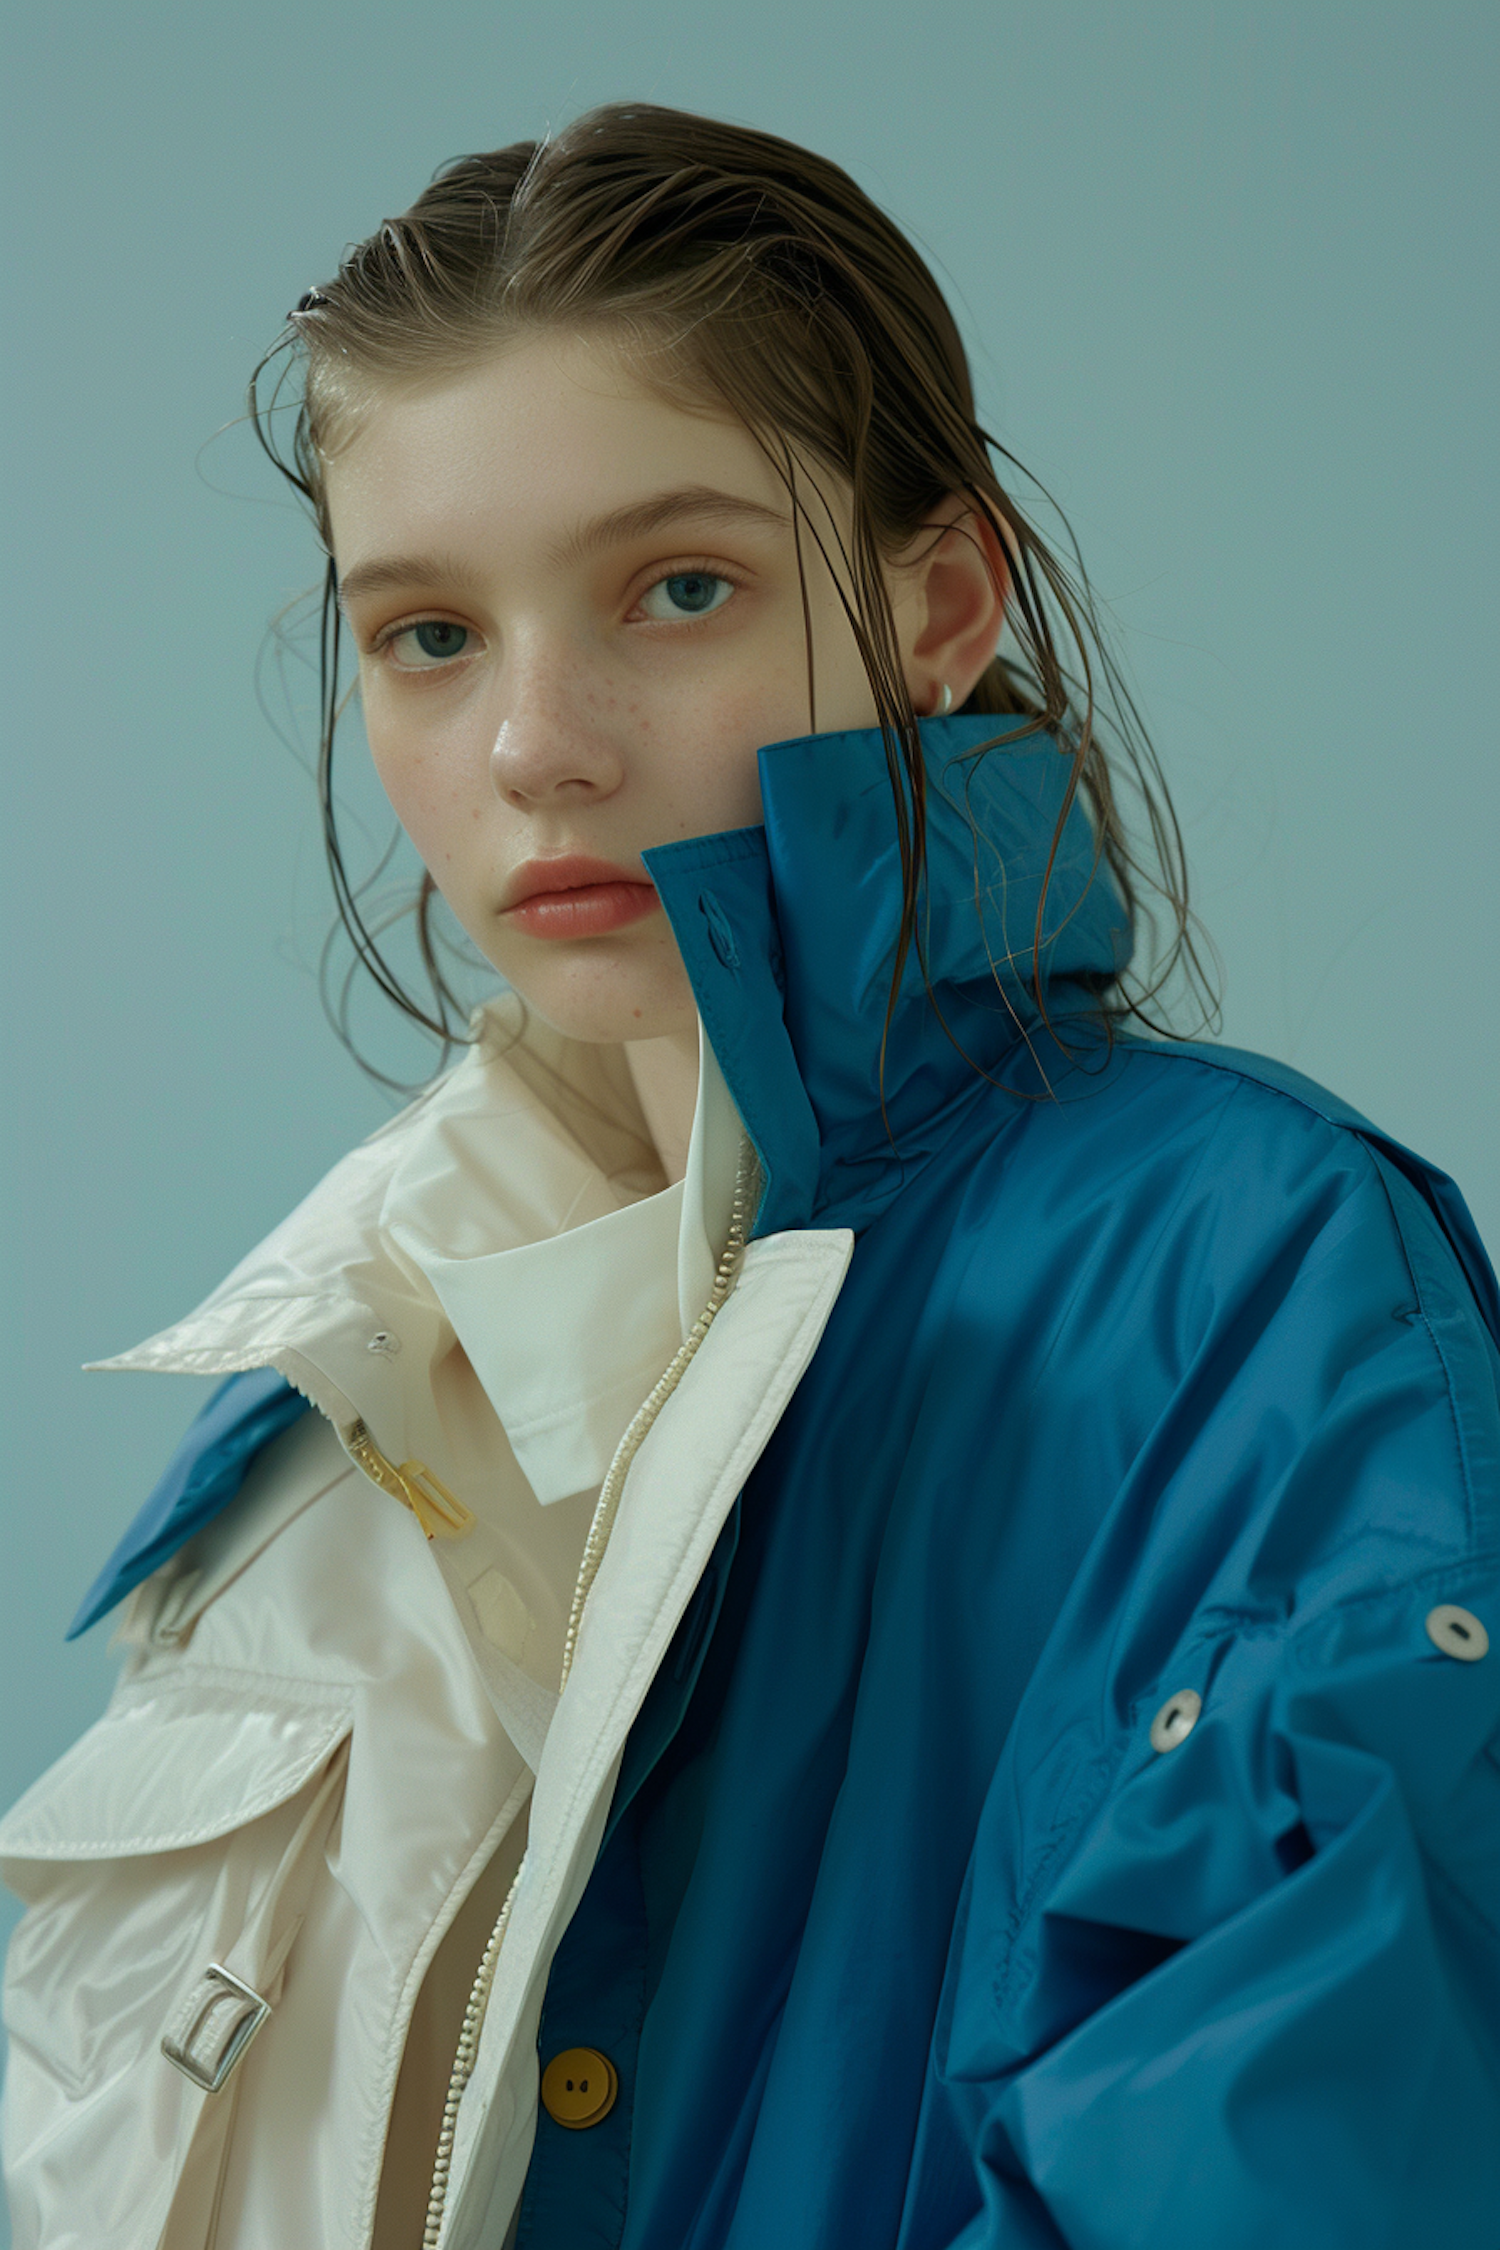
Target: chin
[(607, 1018)]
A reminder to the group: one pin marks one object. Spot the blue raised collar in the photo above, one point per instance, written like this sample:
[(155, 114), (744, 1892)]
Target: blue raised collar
[(788, 933)]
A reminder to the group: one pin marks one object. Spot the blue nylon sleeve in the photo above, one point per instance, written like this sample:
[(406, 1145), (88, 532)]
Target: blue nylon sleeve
[(244, 1414)]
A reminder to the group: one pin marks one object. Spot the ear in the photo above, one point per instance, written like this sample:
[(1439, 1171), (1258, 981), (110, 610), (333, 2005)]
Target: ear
[(954, 581)]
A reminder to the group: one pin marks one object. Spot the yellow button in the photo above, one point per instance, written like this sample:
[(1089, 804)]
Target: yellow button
[(579, 2087)]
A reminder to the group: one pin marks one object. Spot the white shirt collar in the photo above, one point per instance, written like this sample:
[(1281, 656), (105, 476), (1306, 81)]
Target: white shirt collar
[(513, 1205), (567, 1333)]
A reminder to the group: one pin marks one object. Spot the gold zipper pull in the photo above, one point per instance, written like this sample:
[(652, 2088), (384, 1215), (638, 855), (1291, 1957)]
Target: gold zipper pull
[(441, 1515)]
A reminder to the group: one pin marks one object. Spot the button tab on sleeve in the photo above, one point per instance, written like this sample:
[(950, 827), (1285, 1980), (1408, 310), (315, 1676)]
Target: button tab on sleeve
[(1176, 1719), (1457, 1632)]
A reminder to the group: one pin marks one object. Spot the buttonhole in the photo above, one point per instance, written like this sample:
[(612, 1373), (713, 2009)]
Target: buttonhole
[(720, 933)]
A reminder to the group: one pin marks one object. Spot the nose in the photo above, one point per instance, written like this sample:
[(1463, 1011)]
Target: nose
[(556, 739)]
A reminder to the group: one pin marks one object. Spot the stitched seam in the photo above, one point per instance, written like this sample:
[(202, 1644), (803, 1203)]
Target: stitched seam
[(186, 1671), (1465, 1467), (133, 1845), (1104, 1771), (1437, 1578)]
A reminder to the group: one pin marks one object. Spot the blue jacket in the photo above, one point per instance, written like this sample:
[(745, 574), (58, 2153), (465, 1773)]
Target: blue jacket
[(1070, 1812)]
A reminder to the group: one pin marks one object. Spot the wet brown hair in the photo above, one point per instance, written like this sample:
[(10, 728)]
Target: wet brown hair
[(748, 273)]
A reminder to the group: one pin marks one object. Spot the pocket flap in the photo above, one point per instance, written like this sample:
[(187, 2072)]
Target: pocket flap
[(173, 1765)]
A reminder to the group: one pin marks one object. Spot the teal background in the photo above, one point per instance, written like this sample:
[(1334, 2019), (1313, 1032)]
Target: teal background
[(1226, 273)]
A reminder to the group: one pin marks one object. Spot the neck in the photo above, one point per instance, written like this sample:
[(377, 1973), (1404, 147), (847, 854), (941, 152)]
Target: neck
[(665, 1072)]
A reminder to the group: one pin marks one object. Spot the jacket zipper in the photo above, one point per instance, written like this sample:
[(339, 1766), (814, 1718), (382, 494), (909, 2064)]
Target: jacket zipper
[(605, 1511), (440, 1514)]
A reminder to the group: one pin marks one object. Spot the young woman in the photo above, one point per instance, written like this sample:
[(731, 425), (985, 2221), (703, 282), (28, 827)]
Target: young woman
[(833, 1599)]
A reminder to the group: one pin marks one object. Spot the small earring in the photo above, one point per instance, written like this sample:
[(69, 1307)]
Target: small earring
[(944, 703)]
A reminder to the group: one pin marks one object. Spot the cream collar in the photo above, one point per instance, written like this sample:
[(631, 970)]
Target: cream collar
[(517, 1211)]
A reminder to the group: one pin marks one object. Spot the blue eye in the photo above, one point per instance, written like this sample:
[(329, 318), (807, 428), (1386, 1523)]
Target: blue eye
[(687, 593), (436, 641)]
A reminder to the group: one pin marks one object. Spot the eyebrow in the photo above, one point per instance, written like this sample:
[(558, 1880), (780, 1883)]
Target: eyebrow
[(639, 518), (636, 520), (378, 576)]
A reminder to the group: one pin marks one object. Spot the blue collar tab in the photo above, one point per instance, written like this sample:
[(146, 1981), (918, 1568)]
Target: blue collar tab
[(789, 930)]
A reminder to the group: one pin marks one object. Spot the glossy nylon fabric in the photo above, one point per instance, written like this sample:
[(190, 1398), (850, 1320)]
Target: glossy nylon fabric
[(807, 1085), (903, 1933), (198, 1483)]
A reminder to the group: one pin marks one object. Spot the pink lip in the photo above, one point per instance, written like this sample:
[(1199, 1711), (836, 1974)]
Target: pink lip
[(575, 897)]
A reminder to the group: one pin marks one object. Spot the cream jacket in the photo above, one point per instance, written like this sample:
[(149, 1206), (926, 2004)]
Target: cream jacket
[(336, 1742)]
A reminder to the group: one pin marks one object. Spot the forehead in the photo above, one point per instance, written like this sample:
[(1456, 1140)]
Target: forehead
[(541, 433)]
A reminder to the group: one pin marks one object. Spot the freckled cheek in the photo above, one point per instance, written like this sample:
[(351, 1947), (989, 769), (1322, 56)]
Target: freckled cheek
[(437, 812)]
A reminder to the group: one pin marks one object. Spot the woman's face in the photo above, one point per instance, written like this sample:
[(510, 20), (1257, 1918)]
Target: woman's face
[(579, 617)]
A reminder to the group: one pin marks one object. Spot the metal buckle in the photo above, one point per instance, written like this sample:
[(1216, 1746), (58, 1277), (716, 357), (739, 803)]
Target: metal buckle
[(215, 2025)]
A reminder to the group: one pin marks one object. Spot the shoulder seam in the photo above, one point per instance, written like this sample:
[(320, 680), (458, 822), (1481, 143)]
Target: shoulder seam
[(1235, 1063), (1377, 1167), (331, 1691), (1440, 1194)]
